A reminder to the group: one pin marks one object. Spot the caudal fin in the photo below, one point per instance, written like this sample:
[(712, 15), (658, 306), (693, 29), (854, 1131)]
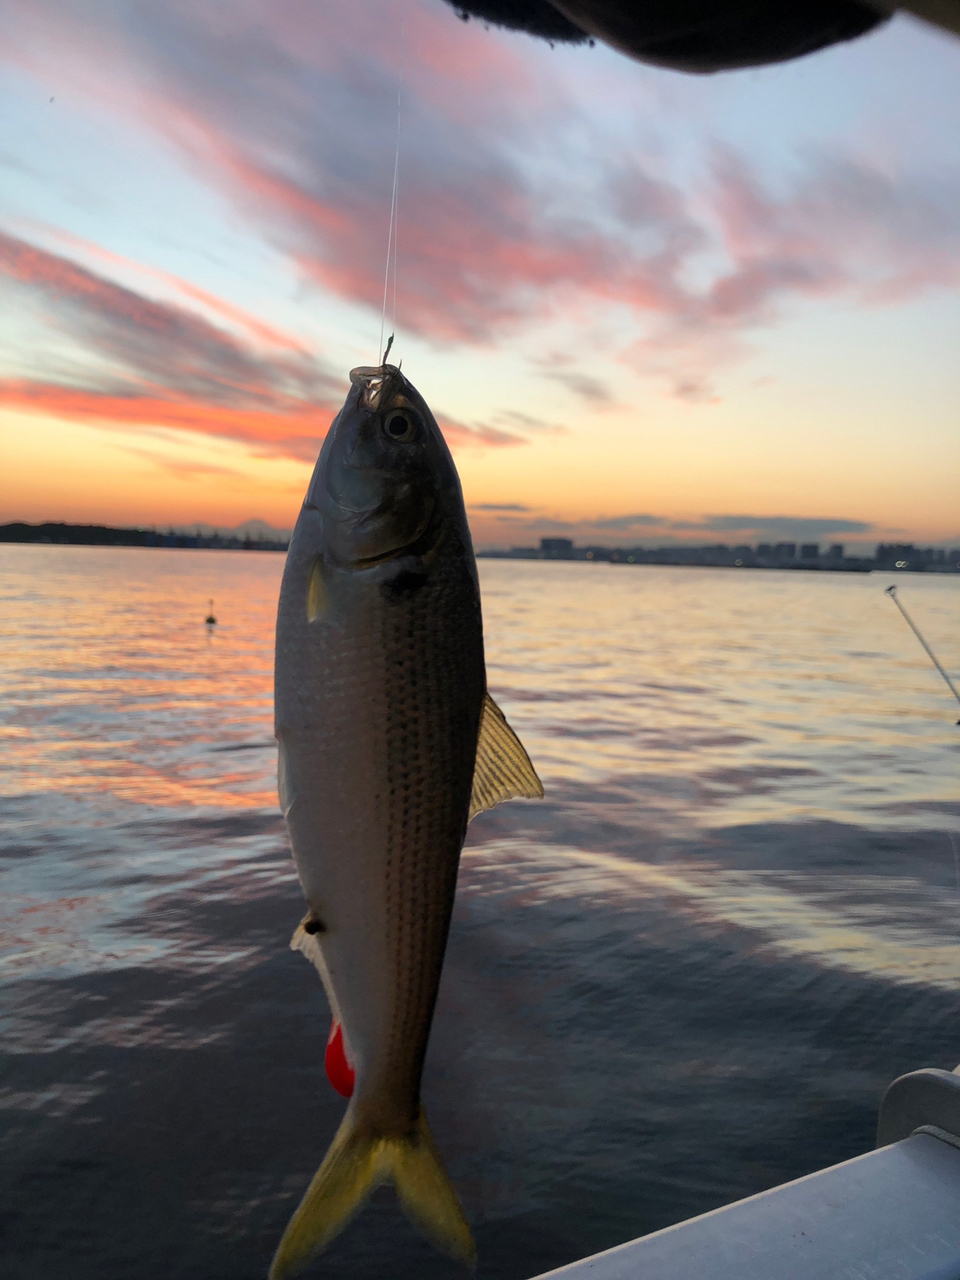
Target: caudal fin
[(357, 1163)]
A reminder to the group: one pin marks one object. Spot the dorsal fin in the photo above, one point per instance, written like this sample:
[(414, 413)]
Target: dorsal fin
[(503, 770)]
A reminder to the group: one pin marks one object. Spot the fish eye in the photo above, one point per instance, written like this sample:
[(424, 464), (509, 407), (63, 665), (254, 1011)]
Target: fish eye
[(400, 426)]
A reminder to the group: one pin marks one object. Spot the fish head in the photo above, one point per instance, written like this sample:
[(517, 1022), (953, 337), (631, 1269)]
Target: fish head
[(384, 476)]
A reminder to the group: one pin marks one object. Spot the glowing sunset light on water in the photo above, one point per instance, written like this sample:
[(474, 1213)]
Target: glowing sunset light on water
[(643, 306)]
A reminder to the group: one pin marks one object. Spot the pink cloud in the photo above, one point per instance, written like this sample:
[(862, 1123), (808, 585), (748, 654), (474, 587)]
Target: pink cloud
[(291, 111), (294, 430), (252, 325), (291, 430), (170, 367)]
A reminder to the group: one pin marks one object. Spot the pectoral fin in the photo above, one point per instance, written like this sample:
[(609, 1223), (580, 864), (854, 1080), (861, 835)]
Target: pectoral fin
[(503, 770), (316, 592), (285, 787)]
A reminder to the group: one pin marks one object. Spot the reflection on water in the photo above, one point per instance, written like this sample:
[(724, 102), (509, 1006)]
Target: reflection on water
[(894, 927), (760, 695), (684, 976)]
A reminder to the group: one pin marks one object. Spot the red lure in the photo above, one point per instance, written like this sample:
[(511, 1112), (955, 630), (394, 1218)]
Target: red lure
[(339, 1071)]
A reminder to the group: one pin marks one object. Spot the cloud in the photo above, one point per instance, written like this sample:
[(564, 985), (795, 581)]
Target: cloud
[(160, 343), (627, 522), (458, 433), (789, 526), (664, 531), (842, 226), (529, 423), (498, 506), (559, 367), (253, 326), (293, 431), (775, 526), (158, 363), (290, 113), (547, 524), (695, 390), (581, 384)]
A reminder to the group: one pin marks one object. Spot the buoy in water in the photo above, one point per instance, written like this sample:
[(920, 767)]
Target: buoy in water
[(210, 619)]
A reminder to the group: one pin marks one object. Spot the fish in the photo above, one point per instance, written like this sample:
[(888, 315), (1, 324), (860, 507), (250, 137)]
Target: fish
[(389, 744)]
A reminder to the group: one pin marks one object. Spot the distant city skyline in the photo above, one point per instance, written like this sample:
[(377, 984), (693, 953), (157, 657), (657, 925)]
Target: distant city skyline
[(786, 555), (256, 534), (643, 306), (597, 533)]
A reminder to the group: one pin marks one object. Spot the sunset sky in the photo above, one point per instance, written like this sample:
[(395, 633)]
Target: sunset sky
[(644, 306)]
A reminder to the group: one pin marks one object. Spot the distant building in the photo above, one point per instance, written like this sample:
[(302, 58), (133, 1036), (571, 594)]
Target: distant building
[(897, 555), (900, 555)]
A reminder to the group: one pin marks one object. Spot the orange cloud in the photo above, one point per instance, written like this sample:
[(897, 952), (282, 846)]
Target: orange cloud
[(178, 370), (293, 430)]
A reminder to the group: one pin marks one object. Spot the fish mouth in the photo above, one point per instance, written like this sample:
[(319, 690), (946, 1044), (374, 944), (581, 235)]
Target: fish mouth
[(373, 381)]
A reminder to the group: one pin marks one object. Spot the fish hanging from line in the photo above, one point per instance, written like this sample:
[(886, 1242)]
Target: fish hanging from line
[(389, 744)]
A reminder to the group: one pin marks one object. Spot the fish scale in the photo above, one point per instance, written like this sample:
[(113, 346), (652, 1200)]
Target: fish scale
[(428, 718)]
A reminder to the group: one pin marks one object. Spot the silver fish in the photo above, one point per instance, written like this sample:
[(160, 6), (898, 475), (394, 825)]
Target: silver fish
[(389, 744)]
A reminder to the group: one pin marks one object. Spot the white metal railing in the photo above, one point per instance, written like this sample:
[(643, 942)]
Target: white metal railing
[(892, 1214)]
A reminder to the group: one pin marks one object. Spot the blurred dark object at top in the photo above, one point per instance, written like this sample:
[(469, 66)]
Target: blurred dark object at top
[(538, 17), (687, 35)]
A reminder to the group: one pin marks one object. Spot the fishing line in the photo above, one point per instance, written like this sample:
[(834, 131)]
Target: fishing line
[(396, 200), (392, 238), (892, 593)]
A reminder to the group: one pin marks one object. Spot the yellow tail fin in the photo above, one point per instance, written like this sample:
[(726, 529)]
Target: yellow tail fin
[(356, 1164)]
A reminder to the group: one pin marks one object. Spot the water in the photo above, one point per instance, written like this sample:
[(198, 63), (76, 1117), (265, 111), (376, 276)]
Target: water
[(685, 976)]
